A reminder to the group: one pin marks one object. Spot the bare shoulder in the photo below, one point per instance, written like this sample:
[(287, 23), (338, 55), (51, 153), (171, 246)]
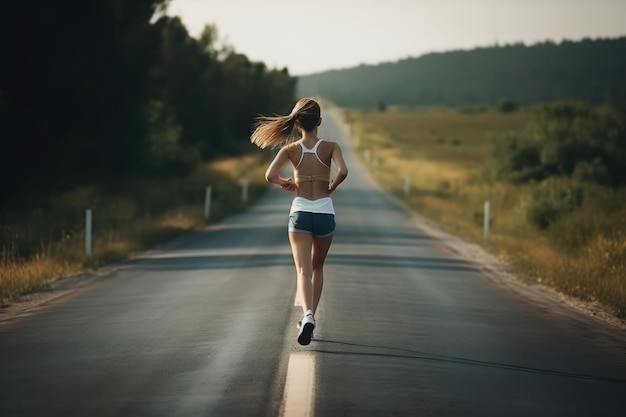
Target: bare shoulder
[(330, 144), (329, 147), (289, 148)]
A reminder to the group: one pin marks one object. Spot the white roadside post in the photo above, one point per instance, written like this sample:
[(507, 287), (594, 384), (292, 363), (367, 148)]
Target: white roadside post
[(88, 243), (486, 221), (244, 190), (207, 203)]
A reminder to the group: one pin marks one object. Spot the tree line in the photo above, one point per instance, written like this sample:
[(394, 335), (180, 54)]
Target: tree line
[(101, 90), (587, 70)]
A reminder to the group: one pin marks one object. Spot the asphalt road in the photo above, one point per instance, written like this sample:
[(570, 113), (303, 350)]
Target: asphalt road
[(205, 326)]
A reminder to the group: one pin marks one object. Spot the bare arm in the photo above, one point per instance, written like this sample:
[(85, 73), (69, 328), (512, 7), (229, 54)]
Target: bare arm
[(271, 175), (342, 169)]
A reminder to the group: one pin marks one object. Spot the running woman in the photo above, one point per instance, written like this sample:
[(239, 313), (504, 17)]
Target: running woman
[(312, 215)]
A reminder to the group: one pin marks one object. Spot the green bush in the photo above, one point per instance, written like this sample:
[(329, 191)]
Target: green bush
[(551, 199), (507, 106), (593, 172), (517, 159), (569, 140)]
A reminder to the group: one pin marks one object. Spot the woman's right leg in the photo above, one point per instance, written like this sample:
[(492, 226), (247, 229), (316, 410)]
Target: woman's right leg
[(321, 245)]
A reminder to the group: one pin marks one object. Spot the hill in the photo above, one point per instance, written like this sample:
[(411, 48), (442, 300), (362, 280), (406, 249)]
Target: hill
[(593, 71)]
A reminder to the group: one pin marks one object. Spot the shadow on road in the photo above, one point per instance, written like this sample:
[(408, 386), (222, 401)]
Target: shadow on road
[(399, 353), (369, 235), (228, 261)]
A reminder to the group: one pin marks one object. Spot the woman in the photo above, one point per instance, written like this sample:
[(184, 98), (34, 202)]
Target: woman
[(312, 215)]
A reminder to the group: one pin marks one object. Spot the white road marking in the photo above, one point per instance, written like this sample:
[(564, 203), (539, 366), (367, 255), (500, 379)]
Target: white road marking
[(299, 386)]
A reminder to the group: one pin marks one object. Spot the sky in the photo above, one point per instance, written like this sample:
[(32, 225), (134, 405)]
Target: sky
[(308, 36)]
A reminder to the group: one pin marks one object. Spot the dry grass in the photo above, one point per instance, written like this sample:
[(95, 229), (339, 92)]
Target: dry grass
[(443, 135), (445, 155), (46, 244), (19, 278)]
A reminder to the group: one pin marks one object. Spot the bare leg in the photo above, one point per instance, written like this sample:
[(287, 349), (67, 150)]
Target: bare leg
[(301, 247), (318, 256)]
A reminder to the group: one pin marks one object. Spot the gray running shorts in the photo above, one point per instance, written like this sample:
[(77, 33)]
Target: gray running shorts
[(317, 224)]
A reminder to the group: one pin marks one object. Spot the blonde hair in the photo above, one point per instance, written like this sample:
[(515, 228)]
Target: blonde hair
[(274, 131)]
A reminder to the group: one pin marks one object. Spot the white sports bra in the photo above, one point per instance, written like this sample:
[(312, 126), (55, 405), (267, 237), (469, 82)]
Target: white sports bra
[(308, 178), (313, 150)]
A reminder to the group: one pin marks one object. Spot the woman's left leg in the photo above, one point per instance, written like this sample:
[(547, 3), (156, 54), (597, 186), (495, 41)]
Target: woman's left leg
[(301, 248)]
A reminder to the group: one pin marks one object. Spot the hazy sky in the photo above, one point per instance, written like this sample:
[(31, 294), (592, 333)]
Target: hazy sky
[(309, 36)]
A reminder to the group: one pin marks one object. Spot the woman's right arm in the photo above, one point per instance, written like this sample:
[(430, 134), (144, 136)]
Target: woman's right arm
[(342, 169), (271, 175)]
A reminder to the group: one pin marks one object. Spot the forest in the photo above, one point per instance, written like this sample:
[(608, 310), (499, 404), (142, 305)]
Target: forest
[(590, 70), (99, 91)]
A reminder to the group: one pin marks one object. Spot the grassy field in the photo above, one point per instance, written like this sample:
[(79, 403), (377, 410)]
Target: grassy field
[(47, 242), (444, 157)]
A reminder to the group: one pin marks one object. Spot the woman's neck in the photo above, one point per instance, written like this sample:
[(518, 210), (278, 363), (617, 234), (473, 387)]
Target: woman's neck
[(309, 136)]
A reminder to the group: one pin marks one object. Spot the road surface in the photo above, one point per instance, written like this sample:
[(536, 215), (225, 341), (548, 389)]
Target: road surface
[(205, 326)]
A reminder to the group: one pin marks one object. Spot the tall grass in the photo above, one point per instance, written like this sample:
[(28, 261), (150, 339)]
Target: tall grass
[(445, 154), (47, 241)]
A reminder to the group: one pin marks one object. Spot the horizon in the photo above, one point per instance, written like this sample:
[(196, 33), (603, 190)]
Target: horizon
[(344, 34), (502, 45)]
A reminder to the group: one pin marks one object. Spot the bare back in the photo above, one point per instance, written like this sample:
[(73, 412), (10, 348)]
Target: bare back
[(311, 168)]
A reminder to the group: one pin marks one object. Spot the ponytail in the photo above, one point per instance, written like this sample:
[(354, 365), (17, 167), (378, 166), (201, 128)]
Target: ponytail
[(275, 131)]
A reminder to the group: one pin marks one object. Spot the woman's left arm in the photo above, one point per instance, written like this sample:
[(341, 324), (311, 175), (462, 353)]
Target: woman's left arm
[(272, 173)]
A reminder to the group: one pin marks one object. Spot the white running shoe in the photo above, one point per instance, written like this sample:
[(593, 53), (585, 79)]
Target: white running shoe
[(299, 325), (307, 324)]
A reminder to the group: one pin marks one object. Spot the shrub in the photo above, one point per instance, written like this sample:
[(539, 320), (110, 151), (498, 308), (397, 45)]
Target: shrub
[(517, 159), (593, 172), (507, 106), (553, 198), (567, 139)]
